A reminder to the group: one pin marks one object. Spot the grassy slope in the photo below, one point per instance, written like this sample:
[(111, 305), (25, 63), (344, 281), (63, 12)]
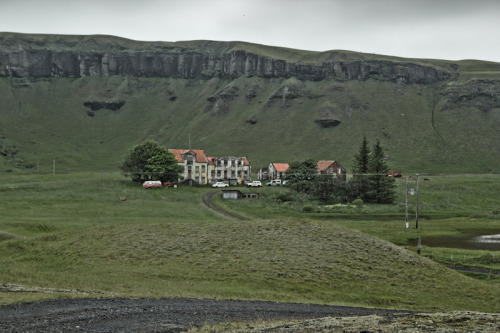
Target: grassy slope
[(46, 120), (72, 232)]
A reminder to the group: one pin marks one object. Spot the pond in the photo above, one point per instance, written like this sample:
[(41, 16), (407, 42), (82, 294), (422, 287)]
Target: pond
[(490, 242)]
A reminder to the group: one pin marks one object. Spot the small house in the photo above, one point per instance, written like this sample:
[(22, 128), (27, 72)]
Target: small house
[(277, 170), (332, 168)]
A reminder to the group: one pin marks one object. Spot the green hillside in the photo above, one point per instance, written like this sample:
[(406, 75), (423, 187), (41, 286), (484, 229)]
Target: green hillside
[(449, 126)]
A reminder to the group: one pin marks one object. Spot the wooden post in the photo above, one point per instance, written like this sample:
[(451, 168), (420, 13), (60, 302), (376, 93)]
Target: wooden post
[(419, 249), (416, 214), (406, 210)]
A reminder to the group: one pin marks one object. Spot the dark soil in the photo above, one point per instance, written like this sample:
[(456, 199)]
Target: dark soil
[(155, 315)]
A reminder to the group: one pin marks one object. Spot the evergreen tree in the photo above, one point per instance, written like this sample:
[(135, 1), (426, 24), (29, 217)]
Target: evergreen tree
[(362, 158), (359, 185), (380, 186)]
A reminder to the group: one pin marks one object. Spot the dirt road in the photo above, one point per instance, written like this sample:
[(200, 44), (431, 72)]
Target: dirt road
[(154, 315), (207, 201)]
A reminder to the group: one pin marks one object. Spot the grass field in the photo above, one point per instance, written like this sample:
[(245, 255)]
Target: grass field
[(71, 235)]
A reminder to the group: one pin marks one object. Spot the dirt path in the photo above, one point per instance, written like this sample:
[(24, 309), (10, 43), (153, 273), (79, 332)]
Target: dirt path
[(155, 315), (207, 200)]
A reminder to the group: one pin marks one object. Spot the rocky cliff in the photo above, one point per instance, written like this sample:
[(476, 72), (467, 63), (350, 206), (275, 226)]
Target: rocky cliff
[(78, 56)]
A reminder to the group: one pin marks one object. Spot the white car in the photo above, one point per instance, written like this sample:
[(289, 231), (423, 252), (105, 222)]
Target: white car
[(255, 183), (220, 184)]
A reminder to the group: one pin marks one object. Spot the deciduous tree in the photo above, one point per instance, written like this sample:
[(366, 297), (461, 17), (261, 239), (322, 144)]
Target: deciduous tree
[(148, 161)]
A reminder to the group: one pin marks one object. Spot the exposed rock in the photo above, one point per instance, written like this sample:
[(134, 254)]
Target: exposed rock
[(327, 118), (327, 122), (483, 94), (95, 105), (8, 150), (25, 56), (252, 93), (219, 101)]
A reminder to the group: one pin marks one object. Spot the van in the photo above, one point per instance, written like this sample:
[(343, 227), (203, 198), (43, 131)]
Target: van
[(274, 182)]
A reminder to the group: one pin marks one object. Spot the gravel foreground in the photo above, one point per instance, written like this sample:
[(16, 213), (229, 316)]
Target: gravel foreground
[(450, 322), (157, 315)]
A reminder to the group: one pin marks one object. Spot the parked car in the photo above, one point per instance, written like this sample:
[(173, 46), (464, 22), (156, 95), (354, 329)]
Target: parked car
[(220, 184), (274, 182), (255, 183), (151, 184)]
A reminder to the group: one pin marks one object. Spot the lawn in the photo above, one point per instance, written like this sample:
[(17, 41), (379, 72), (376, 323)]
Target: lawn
[(71, 235)]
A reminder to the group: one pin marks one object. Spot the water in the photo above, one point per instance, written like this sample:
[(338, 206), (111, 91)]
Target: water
[(471, 242)]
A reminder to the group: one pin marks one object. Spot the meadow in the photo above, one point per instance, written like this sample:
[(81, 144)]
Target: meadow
[(101, 235)]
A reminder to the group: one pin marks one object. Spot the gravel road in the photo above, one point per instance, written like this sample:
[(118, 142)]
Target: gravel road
[(155, 315)]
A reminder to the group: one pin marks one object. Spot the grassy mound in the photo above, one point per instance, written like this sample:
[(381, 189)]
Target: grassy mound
[(284, 260)]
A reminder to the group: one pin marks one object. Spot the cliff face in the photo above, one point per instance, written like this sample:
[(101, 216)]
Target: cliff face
[(67, 60)]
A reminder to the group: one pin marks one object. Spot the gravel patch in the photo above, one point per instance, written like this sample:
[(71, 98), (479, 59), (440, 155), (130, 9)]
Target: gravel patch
[(156, 315)]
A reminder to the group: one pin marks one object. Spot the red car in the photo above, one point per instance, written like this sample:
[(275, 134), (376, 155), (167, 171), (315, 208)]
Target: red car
[(152, 184)]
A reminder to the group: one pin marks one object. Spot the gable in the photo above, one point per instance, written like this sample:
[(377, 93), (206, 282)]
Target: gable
[(180, 153)]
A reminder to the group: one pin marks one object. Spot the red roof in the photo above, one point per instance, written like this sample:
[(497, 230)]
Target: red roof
[(280, 167), (323, 165), (200, 154)]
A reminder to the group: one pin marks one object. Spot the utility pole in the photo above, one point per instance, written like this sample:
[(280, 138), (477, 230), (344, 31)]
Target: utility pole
[(406, 210), (416, 214)]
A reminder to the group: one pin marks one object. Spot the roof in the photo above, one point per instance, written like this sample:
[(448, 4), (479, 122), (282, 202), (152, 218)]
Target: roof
[(323, 165), (200, 154), (280, 167)]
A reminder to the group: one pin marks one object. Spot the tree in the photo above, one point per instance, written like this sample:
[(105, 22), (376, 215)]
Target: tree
[(359, 185), (381, 187), (148, 161), (362, 158), (300, 175), (370, 182)]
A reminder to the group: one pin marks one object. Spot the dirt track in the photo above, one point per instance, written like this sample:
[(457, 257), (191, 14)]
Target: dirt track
[(207, 201), (154, 315)]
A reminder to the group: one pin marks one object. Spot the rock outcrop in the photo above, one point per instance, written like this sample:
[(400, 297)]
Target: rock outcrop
[(21, 56), (482, 94)]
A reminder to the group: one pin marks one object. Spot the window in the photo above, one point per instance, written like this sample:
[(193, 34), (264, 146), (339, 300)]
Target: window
[(203, 168), (197, 169), (203, 180)]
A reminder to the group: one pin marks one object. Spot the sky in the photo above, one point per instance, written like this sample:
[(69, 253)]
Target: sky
[(437, 29)]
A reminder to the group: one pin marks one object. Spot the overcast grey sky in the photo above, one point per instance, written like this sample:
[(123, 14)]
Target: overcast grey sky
[(442, 29)]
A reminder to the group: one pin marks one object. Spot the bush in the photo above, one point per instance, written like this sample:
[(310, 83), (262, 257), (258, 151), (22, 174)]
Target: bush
[(284, 197), (308, 209)]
